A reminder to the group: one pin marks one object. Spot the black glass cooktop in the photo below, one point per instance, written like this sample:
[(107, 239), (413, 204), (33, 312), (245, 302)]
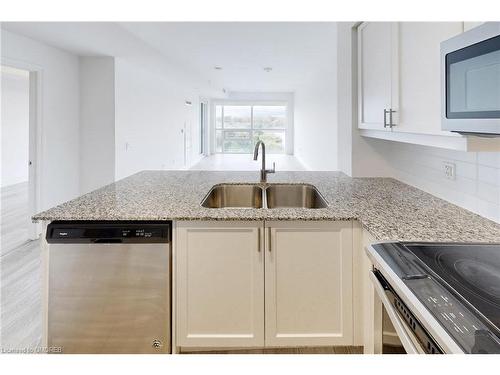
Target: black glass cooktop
[(459, 284), (472, 271)]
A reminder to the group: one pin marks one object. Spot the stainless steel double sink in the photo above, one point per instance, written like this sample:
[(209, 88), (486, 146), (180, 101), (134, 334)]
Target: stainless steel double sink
[(264, 196)]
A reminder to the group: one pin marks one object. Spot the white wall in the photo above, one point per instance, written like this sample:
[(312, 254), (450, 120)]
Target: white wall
[(15, 126), (60, 158), (315, 122), (97, 122), (133, 115), (316, 119), (345, 97), (150, 118), (259, 96), (357, 156)]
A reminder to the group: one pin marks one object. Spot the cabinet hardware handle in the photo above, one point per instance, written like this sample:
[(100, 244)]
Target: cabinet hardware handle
[(385, 117), (391, 111), (269, 240), (258, 240)]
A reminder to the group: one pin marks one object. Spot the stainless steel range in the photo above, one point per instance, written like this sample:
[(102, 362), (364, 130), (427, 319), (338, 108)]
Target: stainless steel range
[(440, 298)]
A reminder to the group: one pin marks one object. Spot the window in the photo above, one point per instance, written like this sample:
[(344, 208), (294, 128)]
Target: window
[(239, 127)]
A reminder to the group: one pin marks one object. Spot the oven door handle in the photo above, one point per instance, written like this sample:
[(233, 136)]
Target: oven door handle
[(409, 341)]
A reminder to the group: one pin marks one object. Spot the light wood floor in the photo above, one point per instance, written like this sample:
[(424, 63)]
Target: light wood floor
[(20, 274), (20, 297), (305, 350), (14, 216)]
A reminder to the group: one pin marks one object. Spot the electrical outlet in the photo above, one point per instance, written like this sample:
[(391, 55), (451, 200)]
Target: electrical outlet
[(449, 170)]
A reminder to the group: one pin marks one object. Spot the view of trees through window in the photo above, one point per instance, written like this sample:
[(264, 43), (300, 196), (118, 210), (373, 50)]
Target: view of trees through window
[(239, 127)]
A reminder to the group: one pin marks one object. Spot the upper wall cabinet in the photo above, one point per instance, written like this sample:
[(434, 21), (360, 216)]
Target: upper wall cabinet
[(399, 78), (377, 74), (420, 74)]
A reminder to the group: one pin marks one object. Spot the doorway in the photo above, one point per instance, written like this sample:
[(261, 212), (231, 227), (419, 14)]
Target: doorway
[(18, 157)]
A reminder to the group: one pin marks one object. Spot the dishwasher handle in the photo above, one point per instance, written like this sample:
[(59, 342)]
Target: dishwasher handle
[(107, 240), (110, 232)]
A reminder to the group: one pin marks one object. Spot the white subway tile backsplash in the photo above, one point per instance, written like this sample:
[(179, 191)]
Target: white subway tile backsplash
[(490, 159), (476, 186), (488, 192), (489, 175), (468, 157), (457, 197), (488, 210), (467, 170)]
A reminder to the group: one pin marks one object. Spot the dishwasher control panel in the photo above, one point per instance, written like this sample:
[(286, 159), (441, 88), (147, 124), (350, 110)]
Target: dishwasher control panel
[(108, 232)]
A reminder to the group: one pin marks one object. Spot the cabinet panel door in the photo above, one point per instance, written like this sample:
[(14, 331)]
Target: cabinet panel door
[(376, 72), (308, 283), (219, 284), (420, 74)]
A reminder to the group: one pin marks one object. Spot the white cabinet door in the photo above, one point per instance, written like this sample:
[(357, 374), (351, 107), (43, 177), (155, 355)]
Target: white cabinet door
[(420, 75), (377, 74), (219, 284), (308, 283)]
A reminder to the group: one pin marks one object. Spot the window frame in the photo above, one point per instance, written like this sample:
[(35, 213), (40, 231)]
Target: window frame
[(253, 103)]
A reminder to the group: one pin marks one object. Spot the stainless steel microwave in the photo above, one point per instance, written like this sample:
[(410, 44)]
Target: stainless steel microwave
[(470, 81)]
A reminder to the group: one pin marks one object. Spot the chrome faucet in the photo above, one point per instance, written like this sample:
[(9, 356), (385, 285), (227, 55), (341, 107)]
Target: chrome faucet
[(263, 170)]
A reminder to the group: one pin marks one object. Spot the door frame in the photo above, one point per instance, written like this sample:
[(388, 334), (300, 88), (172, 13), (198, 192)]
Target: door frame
[(205, 128), (35, 139)]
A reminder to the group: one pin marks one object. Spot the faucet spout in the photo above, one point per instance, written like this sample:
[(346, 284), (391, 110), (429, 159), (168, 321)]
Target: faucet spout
[(256, 149), (263, 170)]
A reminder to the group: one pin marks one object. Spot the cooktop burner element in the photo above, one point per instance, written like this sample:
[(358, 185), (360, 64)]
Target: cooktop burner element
[(480, 278), (472, 271), (459, 284)]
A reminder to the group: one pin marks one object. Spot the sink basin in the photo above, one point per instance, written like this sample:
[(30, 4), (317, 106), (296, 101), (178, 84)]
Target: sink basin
[(294, 195), (233, 196), (252, 196)]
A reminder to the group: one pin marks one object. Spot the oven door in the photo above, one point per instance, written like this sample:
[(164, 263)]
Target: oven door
[(397, 337)]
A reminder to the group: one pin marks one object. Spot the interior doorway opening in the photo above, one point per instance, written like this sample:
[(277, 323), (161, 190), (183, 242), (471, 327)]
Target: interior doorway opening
[(18, 157)]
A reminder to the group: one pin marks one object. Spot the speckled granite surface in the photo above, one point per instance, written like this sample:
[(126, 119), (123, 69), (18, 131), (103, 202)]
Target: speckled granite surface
[(387, 208)]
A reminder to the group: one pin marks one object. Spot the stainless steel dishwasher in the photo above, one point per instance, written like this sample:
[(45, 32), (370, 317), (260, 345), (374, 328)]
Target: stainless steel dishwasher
[(109, 287)]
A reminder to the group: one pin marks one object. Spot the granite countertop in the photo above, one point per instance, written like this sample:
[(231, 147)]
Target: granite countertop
[(387, 208)]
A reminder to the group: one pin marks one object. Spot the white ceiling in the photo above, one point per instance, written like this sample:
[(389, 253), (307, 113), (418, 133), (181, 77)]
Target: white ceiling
[(300, 53)]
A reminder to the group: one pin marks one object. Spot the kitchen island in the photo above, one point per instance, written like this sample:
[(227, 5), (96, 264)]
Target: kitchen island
[(280, 277)]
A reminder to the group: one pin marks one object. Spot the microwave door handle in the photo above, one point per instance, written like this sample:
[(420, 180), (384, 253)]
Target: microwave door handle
[(409, 342)]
